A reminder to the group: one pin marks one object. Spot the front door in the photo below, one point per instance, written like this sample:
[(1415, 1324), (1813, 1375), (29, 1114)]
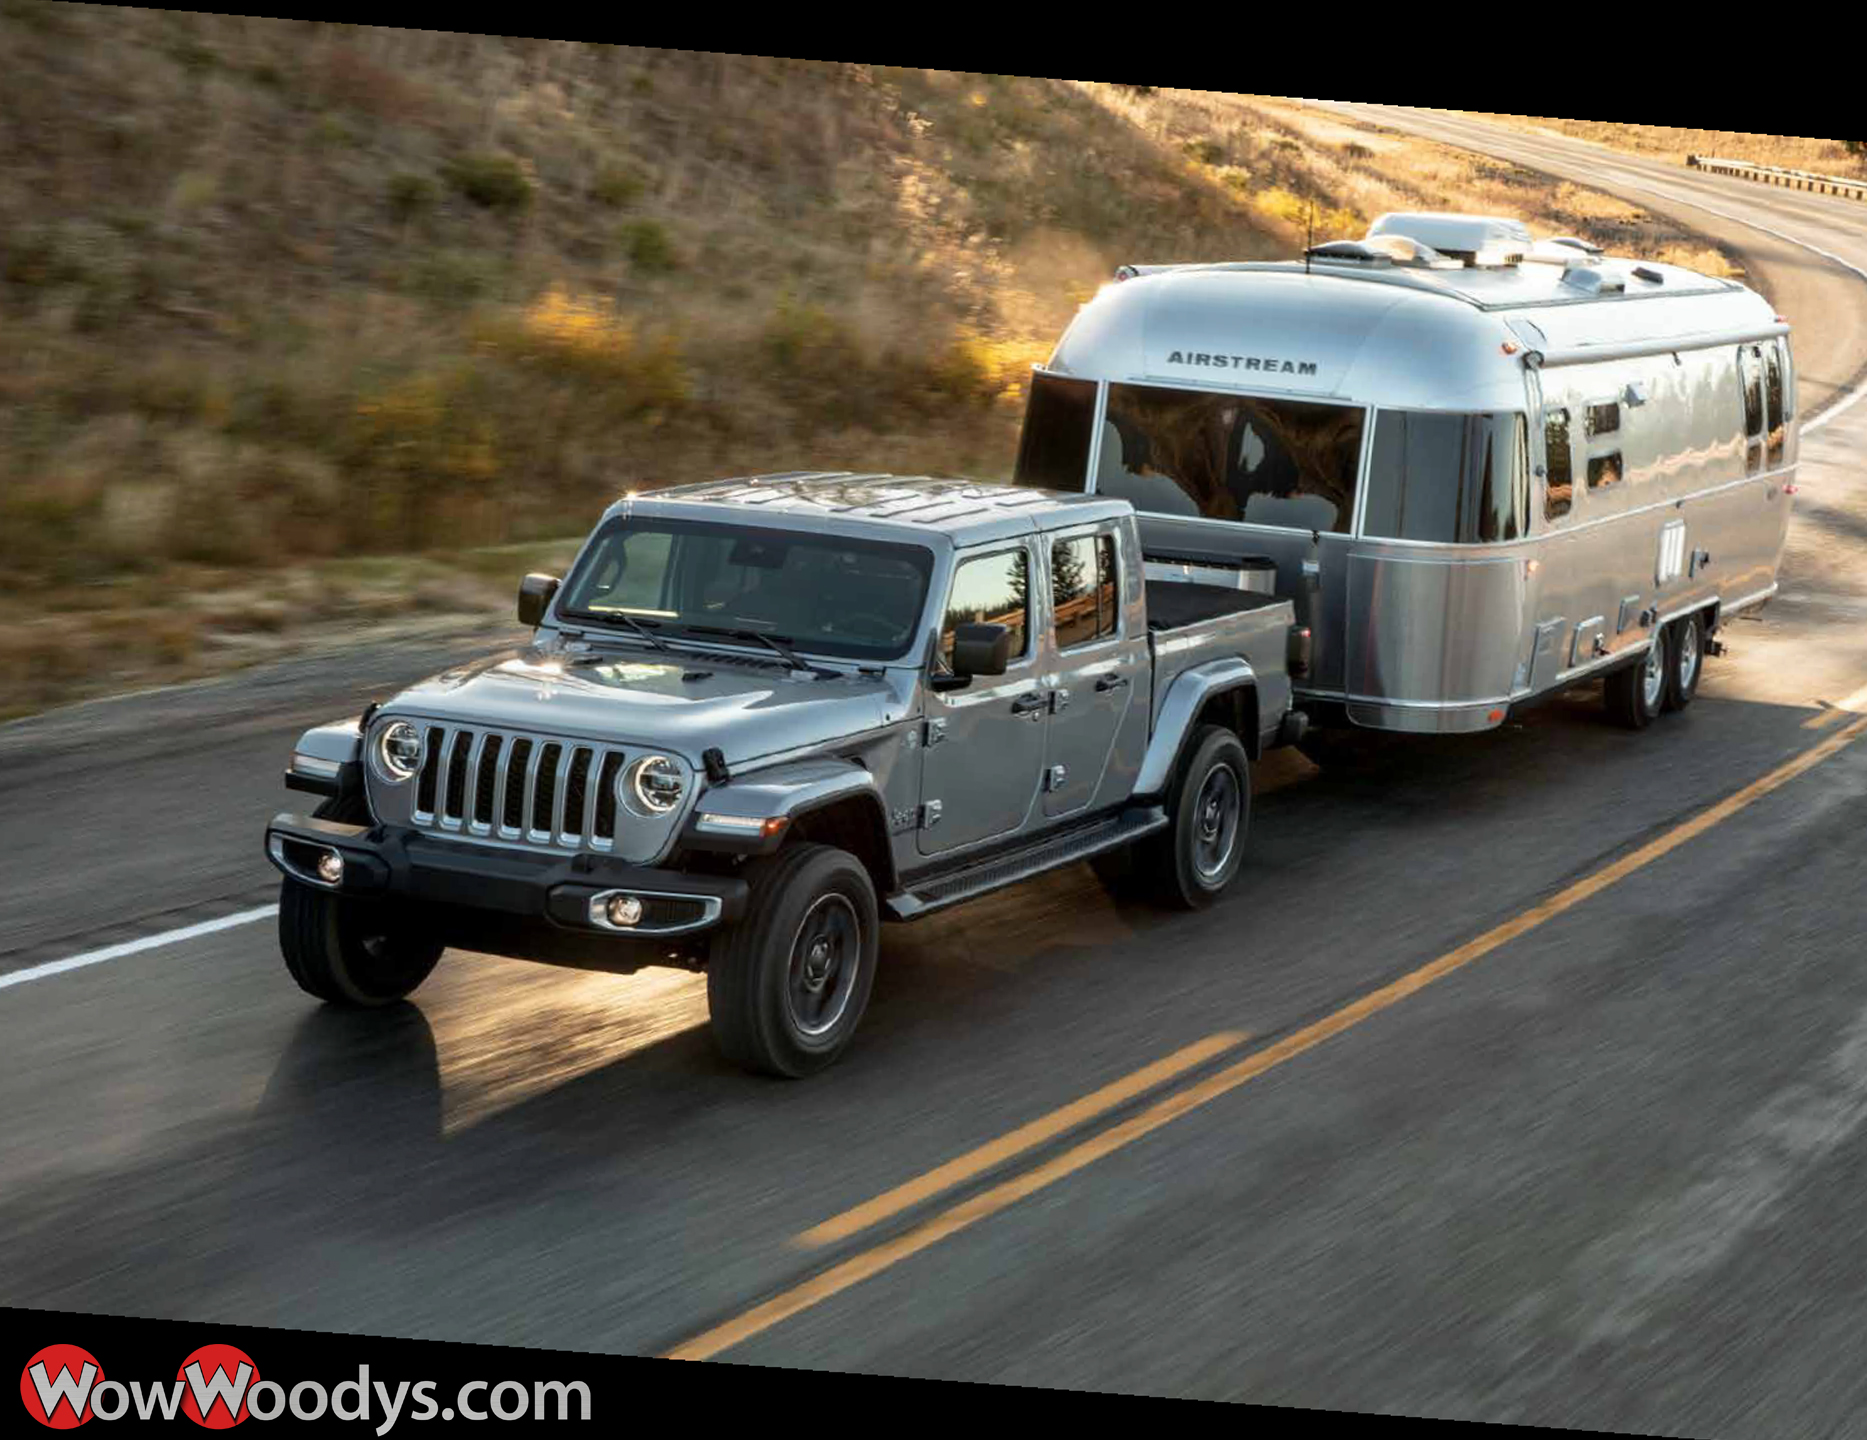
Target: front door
[(983, 748), (1097, 671)]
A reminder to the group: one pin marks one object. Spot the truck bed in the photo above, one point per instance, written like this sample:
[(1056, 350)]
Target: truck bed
[(1174, 604)]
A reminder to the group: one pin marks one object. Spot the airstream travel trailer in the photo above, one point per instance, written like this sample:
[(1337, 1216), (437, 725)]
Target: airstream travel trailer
[(1484, 467)]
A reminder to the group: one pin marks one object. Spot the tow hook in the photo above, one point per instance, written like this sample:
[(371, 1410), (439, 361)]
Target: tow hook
[(1295, 726)]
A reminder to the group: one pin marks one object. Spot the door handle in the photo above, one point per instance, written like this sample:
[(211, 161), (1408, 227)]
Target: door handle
[(1114, 680), (1033, 704)]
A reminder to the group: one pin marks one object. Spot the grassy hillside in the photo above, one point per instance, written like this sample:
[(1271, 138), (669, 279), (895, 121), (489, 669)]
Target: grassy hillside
[(280, 296)]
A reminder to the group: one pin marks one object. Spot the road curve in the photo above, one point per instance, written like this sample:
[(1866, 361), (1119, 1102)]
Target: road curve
[(1524, 1078)]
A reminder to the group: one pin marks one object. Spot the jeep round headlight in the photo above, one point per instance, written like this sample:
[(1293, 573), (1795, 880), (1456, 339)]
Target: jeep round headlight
[(398, 752), (653, 785)]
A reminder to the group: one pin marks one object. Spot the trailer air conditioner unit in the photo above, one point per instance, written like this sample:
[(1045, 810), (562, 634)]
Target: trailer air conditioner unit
[(1484, 241)]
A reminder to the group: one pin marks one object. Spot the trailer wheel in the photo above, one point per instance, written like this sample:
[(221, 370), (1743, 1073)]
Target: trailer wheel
[(1193, 860), (788, 981), (349, 951), (1636, 693), (1688, 660)]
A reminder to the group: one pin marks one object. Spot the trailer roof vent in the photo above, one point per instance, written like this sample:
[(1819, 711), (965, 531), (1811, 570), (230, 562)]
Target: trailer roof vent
[(1477, 240), (1563, 250), (1594, 281), (1649, 274), (1380, 250)]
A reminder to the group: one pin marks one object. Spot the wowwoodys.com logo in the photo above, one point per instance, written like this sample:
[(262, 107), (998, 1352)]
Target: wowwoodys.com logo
[(219, 1386)]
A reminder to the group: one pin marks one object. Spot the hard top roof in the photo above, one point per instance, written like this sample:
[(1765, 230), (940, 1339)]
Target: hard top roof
[(965, 511)]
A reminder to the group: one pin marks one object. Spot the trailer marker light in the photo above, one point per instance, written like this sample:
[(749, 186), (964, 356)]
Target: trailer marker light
[(1511, 347)]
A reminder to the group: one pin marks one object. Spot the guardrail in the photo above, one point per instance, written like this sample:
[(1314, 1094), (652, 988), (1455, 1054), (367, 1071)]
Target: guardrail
[(1777, 175)]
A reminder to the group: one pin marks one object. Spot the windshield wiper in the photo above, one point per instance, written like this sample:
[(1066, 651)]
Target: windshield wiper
[(640, 629), (618, 617), (772, 642)]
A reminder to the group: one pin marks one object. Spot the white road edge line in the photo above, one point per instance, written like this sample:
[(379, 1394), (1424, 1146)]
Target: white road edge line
[(136, 947)]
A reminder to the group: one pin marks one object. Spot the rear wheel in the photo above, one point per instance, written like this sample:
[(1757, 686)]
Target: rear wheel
[(1636, 693), (1193, 860), (351, 951), (1688, 660), (788, 982)]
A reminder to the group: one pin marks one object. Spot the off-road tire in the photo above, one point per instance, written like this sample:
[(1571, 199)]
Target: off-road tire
[(759, 967), (1176, 860), (350, 951)]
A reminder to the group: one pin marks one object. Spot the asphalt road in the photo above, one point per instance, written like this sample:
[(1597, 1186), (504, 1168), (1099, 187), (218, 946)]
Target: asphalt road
[(1524, 1085)]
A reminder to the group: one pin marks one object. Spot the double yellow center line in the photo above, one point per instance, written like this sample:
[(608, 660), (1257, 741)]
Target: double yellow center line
[(887, 1253)]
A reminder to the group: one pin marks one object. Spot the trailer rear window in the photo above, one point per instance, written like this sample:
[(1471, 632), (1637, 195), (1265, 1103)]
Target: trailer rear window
[(1455, 479), (1287, 463)]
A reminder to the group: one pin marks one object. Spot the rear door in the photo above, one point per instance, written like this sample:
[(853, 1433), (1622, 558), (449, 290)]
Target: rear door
[(1096, 668)]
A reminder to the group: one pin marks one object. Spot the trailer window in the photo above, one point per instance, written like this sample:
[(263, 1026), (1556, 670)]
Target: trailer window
[(1749, 369), (1603, 418), (1082, 589), (1773, 406), (1053, 449), (1288, 463), (1604, 470), (1559, 482), (990, 589), (1458, 479)]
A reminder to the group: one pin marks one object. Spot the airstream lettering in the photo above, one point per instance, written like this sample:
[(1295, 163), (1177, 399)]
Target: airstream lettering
[(1501, 466)]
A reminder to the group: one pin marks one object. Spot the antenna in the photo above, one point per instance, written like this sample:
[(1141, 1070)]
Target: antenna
[(1309, 236)]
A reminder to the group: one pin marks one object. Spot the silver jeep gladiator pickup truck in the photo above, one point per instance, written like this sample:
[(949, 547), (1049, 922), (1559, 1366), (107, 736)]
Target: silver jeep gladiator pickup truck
[(759, 716)]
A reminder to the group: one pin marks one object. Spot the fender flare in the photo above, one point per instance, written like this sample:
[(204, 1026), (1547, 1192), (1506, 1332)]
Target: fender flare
[(732, 818), (1179, 708)]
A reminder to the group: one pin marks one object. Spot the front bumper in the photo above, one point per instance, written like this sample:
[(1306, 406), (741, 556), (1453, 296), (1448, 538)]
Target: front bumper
[(570, 892)]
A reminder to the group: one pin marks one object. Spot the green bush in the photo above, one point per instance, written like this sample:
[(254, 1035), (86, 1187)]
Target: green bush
[(410, 196), (493, 182), (649, 246), (616, 187), (451, 277)]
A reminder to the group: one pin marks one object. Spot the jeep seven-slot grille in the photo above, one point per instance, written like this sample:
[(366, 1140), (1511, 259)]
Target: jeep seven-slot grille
[(560, 793)]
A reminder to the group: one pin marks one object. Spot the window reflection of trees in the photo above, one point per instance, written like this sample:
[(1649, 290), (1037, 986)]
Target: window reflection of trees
[(980, 596), (1221, 450)]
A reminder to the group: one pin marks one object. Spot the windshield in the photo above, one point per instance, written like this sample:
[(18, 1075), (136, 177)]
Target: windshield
[(855, 599)]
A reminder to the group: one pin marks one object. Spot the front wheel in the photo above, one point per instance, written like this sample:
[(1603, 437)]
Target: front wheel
[(349, 951), (1198, 855), (787, 982)]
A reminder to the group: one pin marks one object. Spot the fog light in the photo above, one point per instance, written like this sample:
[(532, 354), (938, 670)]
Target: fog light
[(331, 868), (625, 911)]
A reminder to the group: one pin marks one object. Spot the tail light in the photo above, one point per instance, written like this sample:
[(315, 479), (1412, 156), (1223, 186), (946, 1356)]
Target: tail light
[(1297, 651)]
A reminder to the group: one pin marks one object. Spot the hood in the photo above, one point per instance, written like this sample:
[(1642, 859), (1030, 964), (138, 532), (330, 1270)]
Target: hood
[(686, 702)]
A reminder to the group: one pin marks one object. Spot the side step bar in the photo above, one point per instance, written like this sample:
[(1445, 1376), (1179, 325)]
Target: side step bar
[(1009, 867)]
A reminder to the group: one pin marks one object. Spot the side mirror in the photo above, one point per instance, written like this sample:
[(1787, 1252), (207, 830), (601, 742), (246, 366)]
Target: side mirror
[(981, 649), (535, 592)]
